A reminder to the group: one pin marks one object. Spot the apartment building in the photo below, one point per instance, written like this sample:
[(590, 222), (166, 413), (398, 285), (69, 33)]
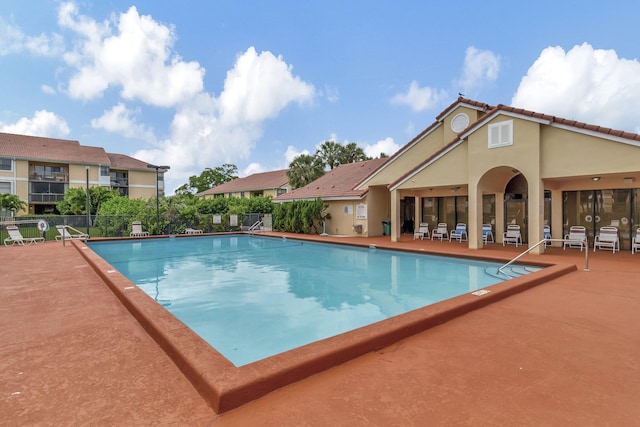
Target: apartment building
[(273, 183), (39, 171)]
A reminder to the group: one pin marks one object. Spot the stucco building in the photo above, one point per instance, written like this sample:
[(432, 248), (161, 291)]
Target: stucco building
[(481, 164), (265, 184), (39, 171)]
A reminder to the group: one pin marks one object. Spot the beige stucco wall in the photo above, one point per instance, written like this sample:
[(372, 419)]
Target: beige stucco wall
[(568, 154), (19, 179), (341, 222), (142, 184), (422, 149)]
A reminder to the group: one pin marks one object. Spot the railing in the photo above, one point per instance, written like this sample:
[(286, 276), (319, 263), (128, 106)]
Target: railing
[(45, 197), (51, 176), (255, 225), (586, 254)]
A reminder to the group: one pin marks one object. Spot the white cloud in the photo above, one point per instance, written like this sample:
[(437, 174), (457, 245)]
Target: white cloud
[(210, 130), (585, 84), (13, 40), (479, 66), (332, 93), (137, 57), (259, 87), (419, 98), (292, 153), (386, 146), (252, 168), (43, 123), (47, 89), (121, 120)]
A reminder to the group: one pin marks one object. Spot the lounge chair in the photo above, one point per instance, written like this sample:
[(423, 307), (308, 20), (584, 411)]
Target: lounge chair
[(192, 231), (460, 233), (441, 231), (65, 234), (546, 234), (512, 235), (577, 238), (487, 233), (422, 231), (635, 242), (607, 238), (136, 230), (15, 237)]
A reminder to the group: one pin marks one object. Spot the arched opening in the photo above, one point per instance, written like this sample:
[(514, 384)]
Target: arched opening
[(516, 196)]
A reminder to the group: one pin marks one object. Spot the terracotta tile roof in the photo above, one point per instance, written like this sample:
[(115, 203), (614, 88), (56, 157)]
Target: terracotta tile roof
[(257, 181), (337, 183), (121, 161), (61, 150), (469, 102), (522, 112)]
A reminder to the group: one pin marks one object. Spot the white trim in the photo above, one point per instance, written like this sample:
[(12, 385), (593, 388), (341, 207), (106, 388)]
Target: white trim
[(601, 135), (399, 154), (425, 165), (502, 132)]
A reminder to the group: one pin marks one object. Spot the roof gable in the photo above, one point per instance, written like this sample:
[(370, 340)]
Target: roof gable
[(338, 183), (257, 181), (532, 116)]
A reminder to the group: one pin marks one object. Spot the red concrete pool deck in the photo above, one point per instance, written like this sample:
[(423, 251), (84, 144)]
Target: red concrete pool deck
[(566, 352)]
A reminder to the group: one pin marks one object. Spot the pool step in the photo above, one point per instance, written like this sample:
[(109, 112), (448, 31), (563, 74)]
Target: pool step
[(512, 271)]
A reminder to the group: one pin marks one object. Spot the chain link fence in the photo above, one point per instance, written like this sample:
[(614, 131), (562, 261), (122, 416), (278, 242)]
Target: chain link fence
[(120, 225)]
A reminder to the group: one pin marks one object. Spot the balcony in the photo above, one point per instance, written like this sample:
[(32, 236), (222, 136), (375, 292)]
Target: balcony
[(45, 197), (50, 177)]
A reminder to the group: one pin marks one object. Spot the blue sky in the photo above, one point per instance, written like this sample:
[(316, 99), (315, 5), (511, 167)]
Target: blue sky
[(195, 84)]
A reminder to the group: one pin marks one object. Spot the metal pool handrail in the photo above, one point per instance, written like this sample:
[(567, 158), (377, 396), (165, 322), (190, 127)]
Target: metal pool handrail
[(586, 253)]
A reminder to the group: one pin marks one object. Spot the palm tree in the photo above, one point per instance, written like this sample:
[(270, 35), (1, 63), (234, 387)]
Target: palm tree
[(351, 153), (11, 203), (304, 169), (330, 152)]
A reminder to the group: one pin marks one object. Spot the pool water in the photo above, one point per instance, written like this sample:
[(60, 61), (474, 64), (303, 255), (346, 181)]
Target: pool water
[(252, 297)]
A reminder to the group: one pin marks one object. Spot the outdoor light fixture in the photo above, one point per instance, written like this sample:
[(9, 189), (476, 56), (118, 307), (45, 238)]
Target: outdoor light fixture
[(596, 178), (164, 169)]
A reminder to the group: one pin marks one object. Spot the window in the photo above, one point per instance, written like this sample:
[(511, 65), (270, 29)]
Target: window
[(281, 191), (104, 170), (501, 134), (242, 194), (6, 165), (5, 188)]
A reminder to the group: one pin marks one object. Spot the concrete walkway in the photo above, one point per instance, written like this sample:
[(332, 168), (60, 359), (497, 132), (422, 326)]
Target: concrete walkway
[(564, 353)]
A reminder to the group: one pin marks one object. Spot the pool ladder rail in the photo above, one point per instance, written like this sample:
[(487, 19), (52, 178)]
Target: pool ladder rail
[(257, 226), (543, 241)]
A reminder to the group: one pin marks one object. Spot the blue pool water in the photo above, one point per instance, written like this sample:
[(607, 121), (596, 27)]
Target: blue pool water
[(251, 297)]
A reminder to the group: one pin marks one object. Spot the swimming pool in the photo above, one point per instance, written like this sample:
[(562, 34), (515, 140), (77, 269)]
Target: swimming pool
[(252, 297)]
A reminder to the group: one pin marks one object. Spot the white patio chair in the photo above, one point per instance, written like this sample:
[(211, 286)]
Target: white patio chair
[(487, 233), (16, 238), (607, 238), (136, 230), (422, 231), (512, 235), (66, 232), (577, 238), (635, 242), (441, 231), (460, 233)]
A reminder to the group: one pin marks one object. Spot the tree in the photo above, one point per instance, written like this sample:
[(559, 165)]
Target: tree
[(11, 203), (351, 153), (75, 200), (330, 153), (304, 169), (209, 178)]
